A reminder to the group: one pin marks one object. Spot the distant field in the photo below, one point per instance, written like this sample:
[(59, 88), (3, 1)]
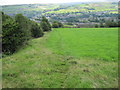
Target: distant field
[(100, 43), (61, 8), (65, 58)]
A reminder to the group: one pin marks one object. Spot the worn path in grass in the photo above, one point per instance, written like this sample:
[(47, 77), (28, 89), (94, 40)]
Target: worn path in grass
[(37, 66)]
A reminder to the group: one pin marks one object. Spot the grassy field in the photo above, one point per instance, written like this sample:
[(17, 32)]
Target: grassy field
[(65, 58), (95, 43)]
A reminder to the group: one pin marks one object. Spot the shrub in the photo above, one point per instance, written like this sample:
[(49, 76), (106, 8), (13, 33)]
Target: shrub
[(96, 25), (57, 24), (45, 24), (16, 32), (36, 30), (60, 24), (11, 35), (25, 26)]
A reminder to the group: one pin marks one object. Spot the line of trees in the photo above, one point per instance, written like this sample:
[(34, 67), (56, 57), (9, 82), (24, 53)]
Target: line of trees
[(18, 30), (108, 24)]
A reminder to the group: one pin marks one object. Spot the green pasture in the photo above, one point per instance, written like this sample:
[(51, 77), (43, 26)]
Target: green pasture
[(65, 58)]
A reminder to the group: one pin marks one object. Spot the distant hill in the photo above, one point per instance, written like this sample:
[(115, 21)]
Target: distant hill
[(66, 12)]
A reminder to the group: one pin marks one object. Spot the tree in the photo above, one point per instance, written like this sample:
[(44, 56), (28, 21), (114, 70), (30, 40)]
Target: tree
[(36, 30), (60, 24), (11, 35), (45, 24), (16, 32), (102, 25), (25, 25), (55, 25), (96, 25), (111, 23)]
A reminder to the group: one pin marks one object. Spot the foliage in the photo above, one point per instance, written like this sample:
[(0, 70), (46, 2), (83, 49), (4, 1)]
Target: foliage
[(60, 24), (96, 25), (24, 24), (45, 24), (102, 25), (36, 30), (17, 32), (111, 23), (11, 36), (57, 24)]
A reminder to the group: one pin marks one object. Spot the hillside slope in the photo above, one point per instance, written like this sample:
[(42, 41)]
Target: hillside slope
[(78, 12), (40, 66)]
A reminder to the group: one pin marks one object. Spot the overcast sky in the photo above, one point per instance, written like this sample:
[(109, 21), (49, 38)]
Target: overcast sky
[(11, 2)]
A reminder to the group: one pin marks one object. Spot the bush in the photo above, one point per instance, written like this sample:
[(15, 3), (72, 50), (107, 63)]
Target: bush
[(111, 23), (102, 25), (60, 24), (96, 26), (56, 24), (11, 35), (16, 32), (45, 24), (36, 30), (25, 26)]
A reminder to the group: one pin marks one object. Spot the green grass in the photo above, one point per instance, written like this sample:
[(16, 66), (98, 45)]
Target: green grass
[(86, 42), (48, 62)]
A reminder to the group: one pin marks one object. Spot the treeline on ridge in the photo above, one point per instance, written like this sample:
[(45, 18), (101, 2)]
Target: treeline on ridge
[(18, 30)]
